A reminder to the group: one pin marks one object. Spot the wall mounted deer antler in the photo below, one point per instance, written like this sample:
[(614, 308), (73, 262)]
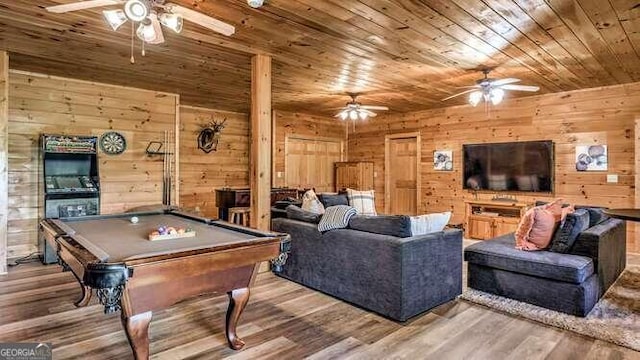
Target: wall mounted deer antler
[(209, 135)]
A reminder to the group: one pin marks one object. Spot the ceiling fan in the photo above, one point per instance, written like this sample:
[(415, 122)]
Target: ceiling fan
[(492, 90), (150, 14), (354, 110)]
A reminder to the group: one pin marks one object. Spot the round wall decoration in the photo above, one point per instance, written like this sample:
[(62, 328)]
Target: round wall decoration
[(113, 143)]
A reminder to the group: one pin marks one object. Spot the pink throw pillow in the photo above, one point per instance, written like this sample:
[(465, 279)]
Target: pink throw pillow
[(545, 223), (537, 226), (524, 227)]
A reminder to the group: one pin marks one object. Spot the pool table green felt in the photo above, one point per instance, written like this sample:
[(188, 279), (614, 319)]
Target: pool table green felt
[(122, 240)]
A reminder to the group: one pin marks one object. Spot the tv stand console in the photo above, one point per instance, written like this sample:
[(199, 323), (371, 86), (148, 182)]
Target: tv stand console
[(487, 219)]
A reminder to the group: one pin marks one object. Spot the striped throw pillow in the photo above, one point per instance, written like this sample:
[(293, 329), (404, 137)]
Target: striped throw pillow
[(336, 217), (363, 201)]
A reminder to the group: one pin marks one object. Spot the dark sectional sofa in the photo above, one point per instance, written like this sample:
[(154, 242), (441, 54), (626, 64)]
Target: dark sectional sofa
[(571, 282), (398, 277)]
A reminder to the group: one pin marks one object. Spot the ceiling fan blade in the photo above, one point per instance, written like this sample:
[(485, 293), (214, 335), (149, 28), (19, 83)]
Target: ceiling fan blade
[(369, 113), (157, 28), (520, 87), (458, 94), (504, 81), (373, 107), (59, 9), (202, 19)]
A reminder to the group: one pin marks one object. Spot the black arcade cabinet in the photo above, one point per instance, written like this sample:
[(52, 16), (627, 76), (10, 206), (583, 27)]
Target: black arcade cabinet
[(71, 181)]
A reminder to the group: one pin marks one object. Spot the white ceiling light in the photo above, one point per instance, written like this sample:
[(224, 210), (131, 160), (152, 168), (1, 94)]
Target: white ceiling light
[(172, 21), (146, 32), (255, 3), (493, 94), (115, 18), (136, 10), (497, 95), (475, 97)]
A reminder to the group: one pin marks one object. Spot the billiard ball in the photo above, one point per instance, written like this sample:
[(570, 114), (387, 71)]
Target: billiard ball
[(134, 219)]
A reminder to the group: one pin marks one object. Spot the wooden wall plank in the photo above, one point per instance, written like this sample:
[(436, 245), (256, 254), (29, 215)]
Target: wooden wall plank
[(44, 104), (201, 173), (604, 115), (4, 157)]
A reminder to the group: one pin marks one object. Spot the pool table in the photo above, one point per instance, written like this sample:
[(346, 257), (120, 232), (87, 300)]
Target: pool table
[(129, 273)]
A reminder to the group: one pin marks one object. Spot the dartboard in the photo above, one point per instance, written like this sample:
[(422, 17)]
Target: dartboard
[(113, 143)]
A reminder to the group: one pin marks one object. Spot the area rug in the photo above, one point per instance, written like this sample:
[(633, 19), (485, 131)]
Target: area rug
[(615, 318)]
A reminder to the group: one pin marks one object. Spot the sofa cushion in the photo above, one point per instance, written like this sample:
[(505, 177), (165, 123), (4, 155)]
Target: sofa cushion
[(328, 199), (596, 215), (336, 217), (575, 223), (428, 223), (296, 213), (392, 225), (363, 201), (500, 253), (311, 203)]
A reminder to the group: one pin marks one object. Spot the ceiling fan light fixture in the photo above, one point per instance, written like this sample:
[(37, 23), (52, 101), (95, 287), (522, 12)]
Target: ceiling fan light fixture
[(115, 18), (497, 95), (353, 115), (475, 97), (172, 21), (344, 115), (363, 115), (136, 10), (146, 32)]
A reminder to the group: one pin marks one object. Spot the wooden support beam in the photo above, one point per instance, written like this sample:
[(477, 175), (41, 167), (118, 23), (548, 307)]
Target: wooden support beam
[(4, 157), (260, 178)]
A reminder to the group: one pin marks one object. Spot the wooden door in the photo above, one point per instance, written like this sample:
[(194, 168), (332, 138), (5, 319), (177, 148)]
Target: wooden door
[(402, 175), (309, 162)]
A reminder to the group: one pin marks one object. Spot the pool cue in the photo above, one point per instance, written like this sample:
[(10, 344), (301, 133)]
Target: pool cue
[(169, 166), (164, 169)]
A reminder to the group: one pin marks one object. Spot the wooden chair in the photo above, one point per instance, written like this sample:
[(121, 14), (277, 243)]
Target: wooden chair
[(239, 215)]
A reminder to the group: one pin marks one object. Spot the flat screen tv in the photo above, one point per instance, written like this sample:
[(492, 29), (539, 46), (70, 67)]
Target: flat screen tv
[(515, 166)]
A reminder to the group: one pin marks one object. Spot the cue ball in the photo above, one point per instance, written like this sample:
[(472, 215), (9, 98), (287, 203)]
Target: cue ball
[(134, 219)]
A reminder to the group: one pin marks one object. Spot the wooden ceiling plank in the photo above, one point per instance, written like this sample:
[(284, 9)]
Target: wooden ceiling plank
[(575, 18), (230, 99), (530, 28), (605, 19), (472, 25), (628, 13), (99, 32), (315, 14), (498, 59), (428, 41), (492, 19), (555, 27)]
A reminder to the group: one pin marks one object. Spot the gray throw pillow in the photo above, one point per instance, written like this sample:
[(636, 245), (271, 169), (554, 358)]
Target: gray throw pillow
[(336, 217), (296, 213), (333, 199), (568, 232), (393, 225)]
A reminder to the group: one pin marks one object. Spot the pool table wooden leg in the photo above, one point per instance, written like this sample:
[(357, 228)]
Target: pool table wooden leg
[(85, 298), (137, 329), (238, 299)]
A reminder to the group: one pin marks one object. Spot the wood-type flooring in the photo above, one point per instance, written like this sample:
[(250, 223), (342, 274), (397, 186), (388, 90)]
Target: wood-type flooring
[(283, 320)]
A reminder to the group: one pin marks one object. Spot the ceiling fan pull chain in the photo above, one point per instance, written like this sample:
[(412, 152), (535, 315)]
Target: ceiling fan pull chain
[(133, 25), (143, 52)]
